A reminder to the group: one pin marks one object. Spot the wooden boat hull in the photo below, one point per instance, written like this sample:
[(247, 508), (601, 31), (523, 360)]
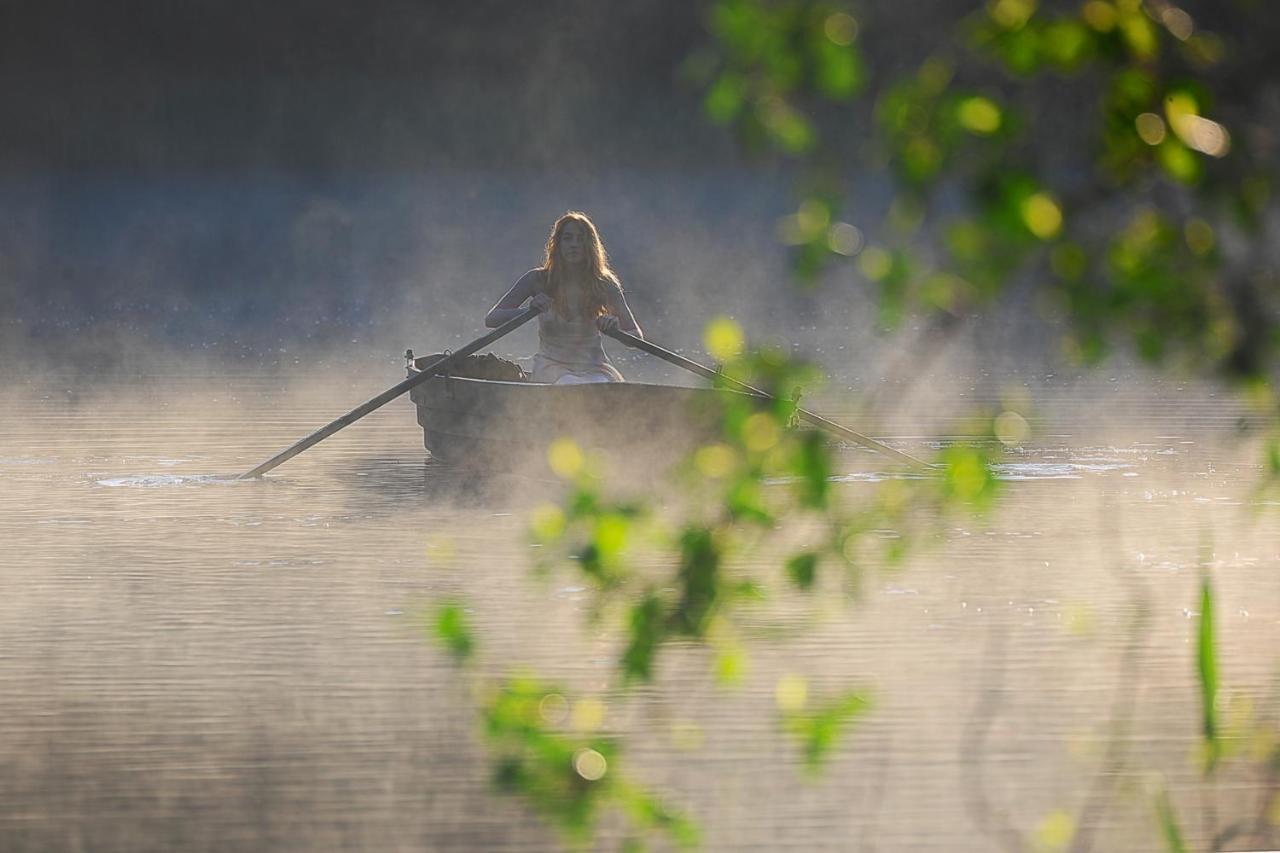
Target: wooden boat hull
[(486, 423)]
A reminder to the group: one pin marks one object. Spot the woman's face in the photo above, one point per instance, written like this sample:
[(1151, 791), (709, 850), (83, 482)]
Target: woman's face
[(573, 243)]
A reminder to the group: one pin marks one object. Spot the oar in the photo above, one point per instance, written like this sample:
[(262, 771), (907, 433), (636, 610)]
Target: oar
[(438, 366), (805, 415)]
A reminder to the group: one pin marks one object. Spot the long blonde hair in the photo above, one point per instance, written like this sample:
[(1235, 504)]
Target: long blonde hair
[(601, 281)]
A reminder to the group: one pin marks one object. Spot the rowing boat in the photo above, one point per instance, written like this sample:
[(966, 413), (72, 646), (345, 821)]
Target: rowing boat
[(488, 423)]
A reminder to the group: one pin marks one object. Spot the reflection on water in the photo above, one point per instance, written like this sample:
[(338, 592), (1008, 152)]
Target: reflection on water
[(191, 662)]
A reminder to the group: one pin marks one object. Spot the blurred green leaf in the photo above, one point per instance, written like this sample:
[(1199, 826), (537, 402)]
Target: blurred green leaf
[(968, 478), (1207, 671), (1273, 457), (700, 580), (1067, 44), (651, 812), (725, 98), (1179, 161), (731, 663), (1169, 824), (811, 463), (979, 115), (802, 569), (789, 130), (839, 74), (819, 730), (568, 778), (646, 631), (745, 502), (453, 632)]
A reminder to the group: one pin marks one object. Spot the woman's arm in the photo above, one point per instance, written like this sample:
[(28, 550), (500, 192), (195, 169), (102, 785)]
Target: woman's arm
[(509, 306), (621, 317)]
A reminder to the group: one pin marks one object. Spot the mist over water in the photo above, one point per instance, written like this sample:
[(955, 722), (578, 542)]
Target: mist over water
[(219, 231), (193, 662)]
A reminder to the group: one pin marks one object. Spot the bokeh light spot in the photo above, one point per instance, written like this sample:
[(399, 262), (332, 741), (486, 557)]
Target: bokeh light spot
[(934, 75), (553, 708), (715, 460), (845, 239), (1203, 135), (588, 715), (547, 522), (731, 664), (760, 432), (1042, 215), (1199, 235), (565, 458), (724, 339), (1055, 831), (791, 693), (1099, 15), (1011, 428), (590, 765), (1139, 34), (979, 115), (875, 263), (1080, 620), (945, 290), (813, 216), (1177, 22), (1012, 14), (841, 28), (1150, 127), (611, 533)]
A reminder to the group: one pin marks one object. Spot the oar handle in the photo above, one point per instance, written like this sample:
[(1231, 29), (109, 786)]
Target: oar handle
[(438, 366), (804, 414)]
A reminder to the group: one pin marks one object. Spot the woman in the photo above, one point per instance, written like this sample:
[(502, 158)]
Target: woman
[(579, 297)]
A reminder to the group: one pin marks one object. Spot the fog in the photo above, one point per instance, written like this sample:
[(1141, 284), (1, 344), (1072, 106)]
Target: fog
[(220, 228)]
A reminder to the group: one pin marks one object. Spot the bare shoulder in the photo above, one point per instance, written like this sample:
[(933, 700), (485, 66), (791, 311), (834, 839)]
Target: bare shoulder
[(534, 281), (613, 286)]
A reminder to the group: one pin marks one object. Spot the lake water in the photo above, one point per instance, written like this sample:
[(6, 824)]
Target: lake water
[(192, 663)]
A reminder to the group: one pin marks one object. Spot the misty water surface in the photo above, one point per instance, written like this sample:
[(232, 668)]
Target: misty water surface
[(188, 663)]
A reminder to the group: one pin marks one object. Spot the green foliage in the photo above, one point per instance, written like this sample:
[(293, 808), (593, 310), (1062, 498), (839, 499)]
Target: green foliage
[(802, 568), (1118, 222), (992, 178), (819, 729), (647, 628), (1207, 672), (453, 632), (763, 469), (968, 477), (699, 579), (1169, 824), (546, 750), (567, 777), (773, 53), (1158, 280)]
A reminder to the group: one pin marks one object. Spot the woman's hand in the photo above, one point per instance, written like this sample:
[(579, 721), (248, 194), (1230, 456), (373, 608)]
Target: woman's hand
[(541, 301), (607, 323)]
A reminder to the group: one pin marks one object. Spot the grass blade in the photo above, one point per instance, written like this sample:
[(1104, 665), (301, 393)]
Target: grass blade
[(1207, 669)]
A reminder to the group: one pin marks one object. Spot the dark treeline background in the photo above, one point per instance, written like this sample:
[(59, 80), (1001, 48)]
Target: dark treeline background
[(330, 86), (239, 178)]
